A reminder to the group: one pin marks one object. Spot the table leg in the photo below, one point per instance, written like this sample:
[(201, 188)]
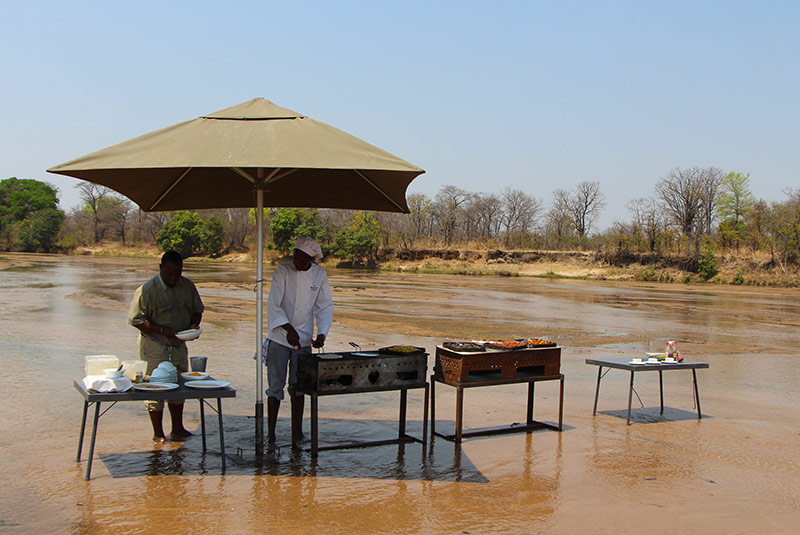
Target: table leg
[(696, 393), (530, 402), (221, 433), (425, 417), (661, 390), (597, 389), (91, 443), (403, 405), (630, 396), (459, 412), (203, 424), (433, 405), (83, 429), (561, 402), (314, 423)]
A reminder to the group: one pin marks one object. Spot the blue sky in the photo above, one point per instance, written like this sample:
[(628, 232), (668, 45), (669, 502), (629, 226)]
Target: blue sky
[(534, 95)]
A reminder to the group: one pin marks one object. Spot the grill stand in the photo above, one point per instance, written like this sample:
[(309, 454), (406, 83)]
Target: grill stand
[(530, 424), (402, 436)]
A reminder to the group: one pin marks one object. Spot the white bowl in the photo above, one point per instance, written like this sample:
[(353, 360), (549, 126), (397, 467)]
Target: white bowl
[(113, 373), (195, 376), (188, 334)]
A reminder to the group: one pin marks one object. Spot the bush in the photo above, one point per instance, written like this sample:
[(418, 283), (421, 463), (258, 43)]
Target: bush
[(211, 235), (188, 234), (288, 224), (707, 263), (359, 241), (37, 231)]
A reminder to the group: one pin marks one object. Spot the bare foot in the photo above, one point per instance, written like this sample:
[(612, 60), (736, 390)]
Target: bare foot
[(159, 440)]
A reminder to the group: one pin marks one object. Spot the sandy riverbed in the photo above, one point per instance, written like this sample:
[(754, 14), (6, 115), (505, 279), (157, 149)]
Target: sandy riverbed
[(734, 471)]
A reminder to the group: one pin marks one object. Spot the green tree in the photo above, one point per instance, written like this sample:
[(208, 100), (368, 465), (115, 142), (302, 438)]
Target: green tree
[(20, 199), (289, 224), (38, 231), (211, 235), (283, 226), (736, 201), (189, 234), (358, 241)]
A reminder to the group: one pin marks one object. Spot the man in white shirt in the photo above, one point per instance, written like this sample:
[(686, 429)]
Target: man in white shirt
[(299, 295)]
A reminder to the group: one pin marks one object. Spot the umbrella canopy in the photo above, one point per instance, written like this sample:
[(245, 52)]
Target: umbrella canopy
[(213, 162), (235, 157)]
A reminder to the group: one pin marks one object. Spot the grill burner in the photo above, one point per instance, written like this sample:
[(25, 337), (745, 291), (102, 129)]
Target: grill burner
[(352, 373)]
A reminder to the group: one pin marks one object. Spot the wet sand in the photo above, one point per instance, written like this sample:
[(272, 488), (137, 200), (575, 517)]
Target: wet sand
[(735, 471)]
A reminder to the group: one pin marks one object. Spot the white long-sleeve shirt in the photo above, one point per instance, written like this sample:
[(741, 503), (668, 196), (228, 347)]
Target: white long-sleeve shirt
[(299, 298)]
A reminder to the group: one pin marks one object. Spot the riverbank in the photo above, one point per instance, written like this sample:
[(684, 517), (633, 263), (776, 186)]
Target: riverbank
[(737, 269)]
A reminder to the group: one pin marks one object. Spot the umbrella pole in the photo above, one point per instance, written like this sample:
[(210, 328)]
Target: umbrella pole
[(259, 314)]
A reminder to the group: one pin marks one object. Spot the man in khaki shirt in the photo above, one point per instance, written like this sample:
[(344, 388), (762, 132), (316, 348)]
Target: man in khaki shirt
[(166, 304)]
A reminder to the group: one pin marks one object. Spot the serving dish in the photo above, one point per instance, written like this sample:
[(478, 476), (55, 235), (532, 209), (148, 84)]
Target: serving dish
[(155, 387), (207, 384), (188, 334)]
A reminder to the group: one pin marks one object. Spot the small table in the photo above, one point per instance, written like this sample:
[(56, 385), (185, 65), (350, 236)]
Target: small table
[(352, 374), (624, 364), (181, 393)]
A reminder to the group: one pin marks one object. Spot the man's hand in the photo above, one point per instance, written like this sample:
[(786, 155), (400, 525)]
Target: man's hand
[(168, 333), (319, 341), (291, 335)]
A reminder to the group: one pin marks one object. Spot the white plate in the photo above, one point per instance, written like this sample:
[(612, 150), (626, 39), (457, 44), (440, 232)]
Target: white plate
[(155, 387), (208, 383), (362, 354), (329, 356), (640, 362), (195, 376), (188, 334)]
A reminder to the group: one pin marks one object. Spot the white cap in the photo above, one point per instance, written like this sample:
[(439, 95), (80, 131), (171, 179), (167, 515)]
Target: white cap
[(309, 246)]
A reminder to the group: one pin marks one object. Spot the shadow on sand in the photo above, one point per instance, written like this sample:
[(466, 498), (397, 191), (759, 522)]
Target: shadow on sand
[(652, 415), (439, 460)]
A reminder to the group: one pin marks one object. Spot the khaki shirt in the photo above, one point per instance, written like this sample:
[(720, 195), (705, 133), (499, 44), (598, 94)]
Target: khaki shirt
[(163, 306)]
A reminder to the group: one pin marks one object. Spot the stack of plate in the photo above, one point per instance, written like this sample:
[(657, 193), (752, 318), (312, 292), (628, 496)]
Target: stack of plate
[(164, 373)]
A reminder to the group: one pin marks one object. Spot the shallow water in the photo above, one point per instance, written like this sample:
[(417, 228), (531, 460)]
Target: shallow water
[(734, 471)]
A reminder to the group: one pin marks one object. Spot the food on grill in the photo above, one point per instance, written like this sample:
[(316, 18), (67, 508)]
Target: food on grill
[(464, 347), (401, 349), (507, 344), (533, 342)]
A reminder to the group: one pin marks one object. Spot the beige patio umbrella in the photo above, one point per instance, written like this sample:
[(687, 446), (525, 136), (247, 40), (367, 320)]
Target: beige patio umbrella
[(235, 157)]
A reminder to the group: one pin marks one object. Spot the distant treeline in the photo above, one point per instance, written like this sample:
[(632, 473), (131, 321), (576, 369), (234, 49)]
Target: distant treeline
[(690, 210)]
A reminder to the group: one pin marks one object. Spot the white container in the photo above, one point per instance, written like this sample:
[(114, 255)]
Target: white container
[(132, 367), (95, 364)]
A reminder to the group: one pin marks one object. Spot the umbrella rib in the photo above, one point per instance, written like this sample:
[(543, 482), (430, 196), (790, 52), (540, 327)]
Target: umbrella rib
[(267, 180), (274, 176), (379, 190), (175, 183), (244, 174)]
